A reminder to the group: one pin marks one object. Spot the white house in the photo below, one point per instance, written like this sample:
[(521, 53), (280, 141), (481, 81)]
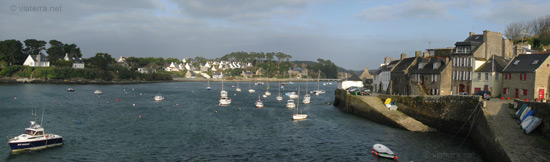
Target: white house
[(39, 60), (352, 81), (77, 62)]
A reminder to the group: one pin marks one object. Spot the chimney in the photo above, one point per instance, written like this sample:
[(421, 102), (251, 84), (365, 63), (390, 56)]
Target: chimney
[(387, 60), (472, 33), (426, 54), (417, 53), (403, 55)]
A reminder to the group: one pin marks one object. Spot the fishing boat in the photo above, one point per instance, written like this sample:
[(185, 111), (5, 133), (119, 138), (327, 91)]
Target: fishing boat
[(259, 103), (34, 138), (279, 97), (98, 92), (223, 97), (299, 115), (290, 104), (70, 90), (383, 151), (158, 97)]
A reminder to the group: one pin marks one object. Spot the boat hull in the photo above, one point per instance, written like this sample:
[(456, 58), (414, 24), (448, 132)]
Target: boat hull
[(299, 116), (35, 145)]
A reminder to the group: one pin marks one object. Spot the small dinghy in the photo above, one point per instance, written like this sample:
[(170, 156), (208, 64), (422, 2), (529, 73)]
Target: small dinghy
[(98, 92), (383, 151)]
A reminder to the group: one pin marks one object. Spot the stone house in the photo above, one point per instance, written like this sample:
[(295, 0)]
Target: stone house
[(474, 51), (39, 60), (526, 77), (399, 80), (488, 76), (382, 79), (431, 76)]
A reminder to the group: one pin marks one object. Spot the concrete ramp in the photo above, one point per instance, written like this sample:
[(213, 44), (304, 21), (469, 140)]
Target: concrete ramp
[(372, 108)]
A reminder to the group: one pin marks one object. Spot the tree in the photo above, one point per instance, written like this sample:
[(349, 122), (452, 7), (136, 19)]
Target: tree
[(11, 52), (33, 46), (101, 60), (55, 52), (515, 30), (73, 50)]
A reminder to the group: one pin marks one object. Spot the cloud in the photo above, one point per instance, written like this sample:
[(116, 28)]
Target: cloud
[(411, 9), (241, 9), (505, 12)]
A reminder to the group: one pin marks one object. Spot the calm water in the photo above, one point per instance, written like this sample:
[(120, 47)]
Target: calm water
[(190, 126)]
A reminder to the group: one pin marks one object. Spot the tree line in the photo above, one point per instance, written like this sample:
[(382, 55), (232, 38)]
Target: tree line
[(536, 31)]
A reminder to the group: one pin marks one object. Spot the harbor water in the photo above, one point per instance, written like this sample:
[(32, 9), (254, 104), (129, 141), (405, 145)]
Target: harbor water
[(125, 123)]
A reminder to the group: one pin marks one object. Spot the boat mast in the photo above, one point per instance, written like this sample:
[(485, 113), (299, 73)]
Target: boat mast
[(298, 103)]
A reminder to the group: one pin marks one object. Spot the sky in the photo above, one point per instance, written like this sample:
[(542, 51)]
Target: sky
[(354, 34)]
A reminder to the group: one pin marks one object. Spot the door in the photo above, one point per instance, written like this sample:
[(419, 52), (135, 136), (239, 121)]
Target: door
[(517, 93), (461, 88), (541, 94), (486, 88)]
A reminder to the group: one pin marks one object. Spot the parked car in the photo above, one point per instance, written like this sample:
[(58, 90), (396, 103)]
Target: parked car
[(486, 95), (463, 93)]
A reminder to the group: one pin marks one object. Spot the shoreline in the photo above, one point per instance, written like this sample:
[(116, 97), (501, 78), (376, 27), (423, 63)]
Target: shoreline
[(85, 81)]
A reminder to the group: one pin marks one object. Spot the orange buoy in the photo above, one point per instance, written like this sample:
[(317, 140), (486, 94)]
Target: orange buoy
[(140, 116)]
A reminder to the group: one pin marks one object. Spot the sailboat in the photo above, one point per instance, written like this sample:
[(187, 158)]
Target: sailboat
[(259, 103), (267, 93), (223, 97), (318, 91), (307, 98), (250, 90), (208, 87), (238, 87), (299, 115), (279, 97)]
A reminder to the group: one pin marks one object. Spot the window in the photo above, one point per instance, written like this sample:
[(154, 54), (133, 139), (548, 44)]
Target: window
[(504, 91), (420, 65), (478, 76), (535, 62), (525, 92), (520, 76), (516, 62), (486, 76), (496, 76)]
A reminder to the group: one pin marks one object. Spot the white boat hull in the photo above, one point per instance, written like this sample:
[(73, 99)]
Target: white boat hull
[(299, 116)]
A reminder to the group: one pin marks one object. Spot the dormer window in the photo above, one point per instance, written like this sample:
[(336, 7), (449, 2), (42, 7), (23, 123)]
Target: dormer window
[(420, 65), (436, 65), (535, 62), (516, 62), (477, 37)]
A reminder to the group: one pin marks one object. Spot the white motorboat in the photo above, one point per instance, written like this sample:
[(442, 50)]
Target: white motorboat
[(292, 95), (225, 101), (307, 99), (159, 98), (34, 138), (265, 96), (279, 98), (298, 115), (290, 104), (70, 90), (223, 93), (259, 103), (98, 92), (259, 83), (383, 151)]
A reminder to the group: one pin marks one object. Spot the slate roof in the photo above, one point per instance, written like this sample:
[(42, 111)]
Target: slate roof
[(353, 77), (474, 40), (499, 65), (525, 63), (428, 67), (404, 64), (43, 58), (389, 66)]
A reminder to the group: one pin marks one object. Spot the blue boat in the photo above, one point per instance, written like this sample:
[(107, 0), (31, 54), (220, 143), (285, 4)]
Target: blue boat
[(34, 138)]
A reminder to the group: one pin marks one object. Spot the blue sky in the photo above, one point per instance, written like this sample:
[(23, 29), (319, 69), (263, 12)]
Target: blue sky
[(354, 34)]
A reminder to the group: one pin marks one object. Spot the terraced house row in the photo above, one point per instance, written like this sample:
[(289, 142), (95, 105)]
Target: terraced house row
[(482, 62)]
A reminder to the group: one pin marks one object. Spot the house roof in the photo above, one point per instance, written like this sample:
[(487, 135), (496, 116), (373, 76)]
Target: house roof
[(526, 63), (42, 58), (428, 66), (353, 77), (389, 66), (473, 40), (404, 64), (499, 65)]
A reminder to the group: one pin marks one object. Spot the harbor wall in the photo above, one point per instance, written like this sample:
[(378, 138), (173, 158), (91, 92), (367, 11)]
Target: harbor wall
[(462, 115), (542, 111)]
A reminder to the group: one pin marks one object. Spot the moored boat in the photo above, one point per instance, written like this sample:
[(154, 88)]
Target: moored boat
[(159, 98), (383, 151), (70, 90), (98, 92), (290, 104), (34, 138), (259, 103)]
